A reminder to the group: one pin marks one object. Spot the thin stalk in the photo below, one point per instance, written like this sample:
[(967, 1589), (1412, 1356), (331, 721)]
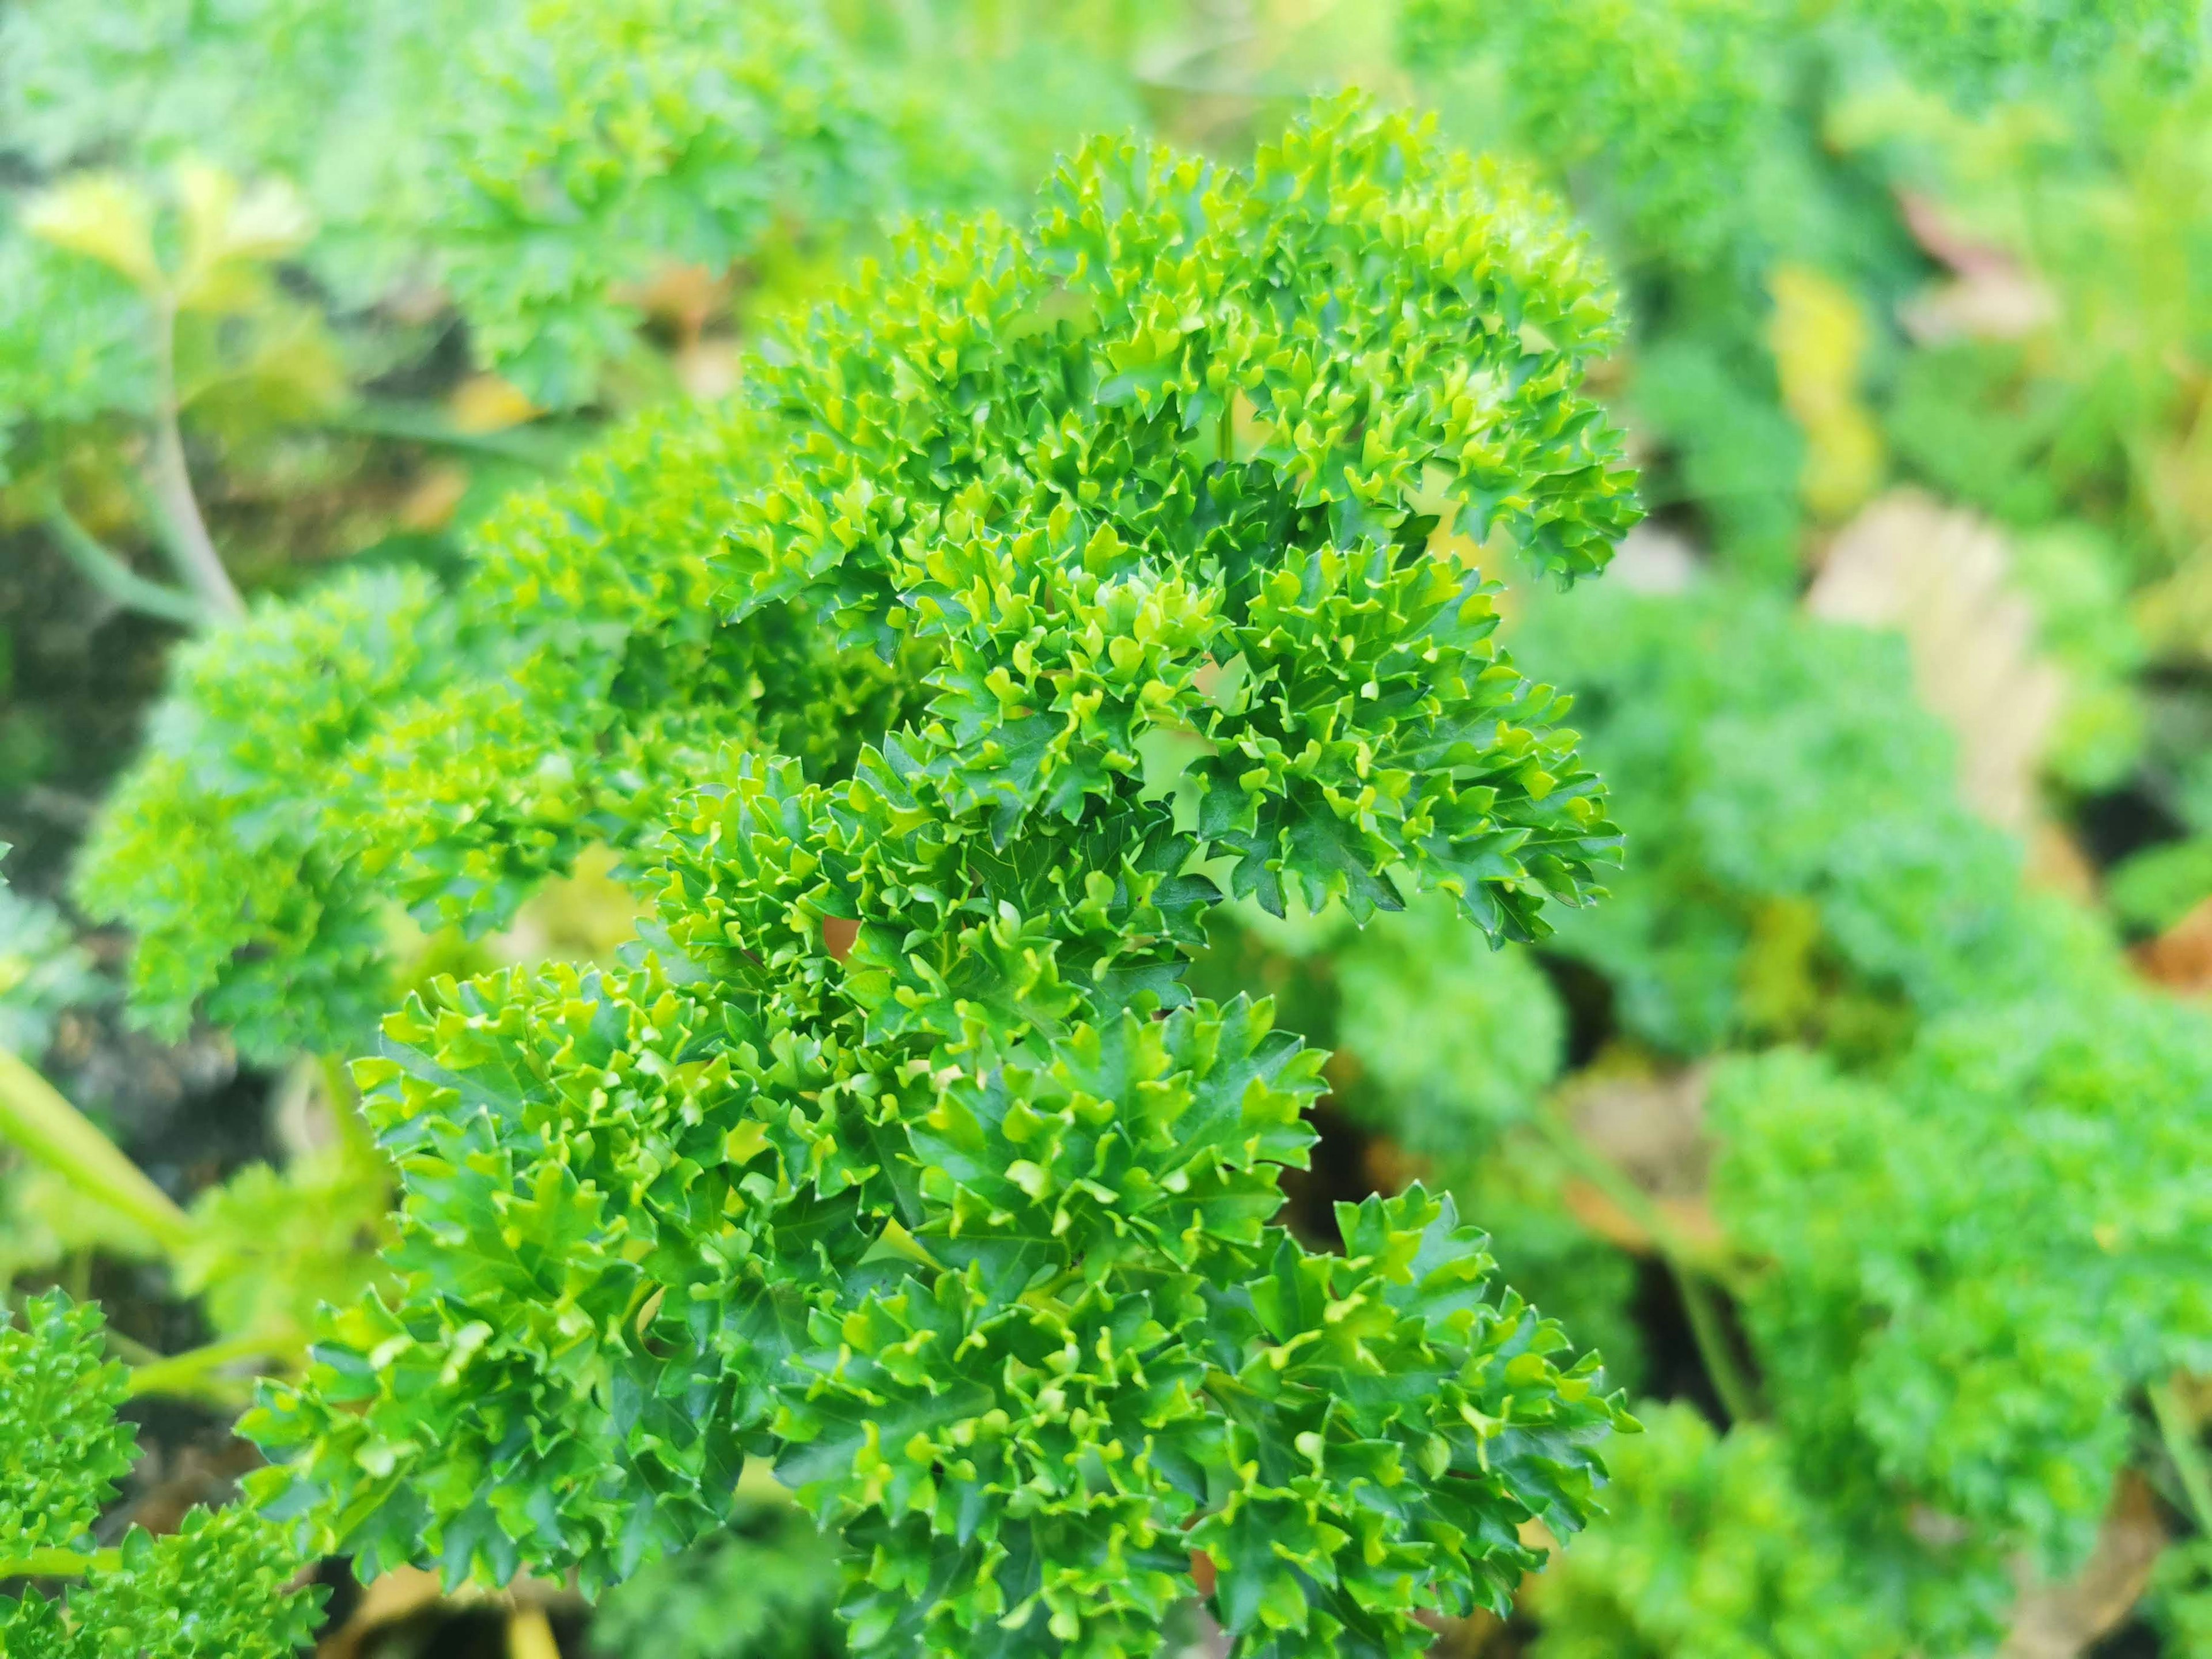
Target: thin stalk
[(1692, 1269), (35, 1117), (1709, 1330), (192, 1375), (129, 1350), (1631, 1199), (431, 426), (185, 532), (114, 578), (59, 1563), (2179, 1435), (530, 1634)]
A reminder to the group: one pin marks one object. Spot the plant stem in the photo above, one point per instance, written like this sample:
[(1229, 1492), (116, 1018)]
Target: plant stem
[(192, 549), (1737, 1396), (191, 1375), (434, 429), (59, 1563), (114, 578), (33, 1115), (1692, 1268), (2179, 1435), (130, 1349), (528, 1635)]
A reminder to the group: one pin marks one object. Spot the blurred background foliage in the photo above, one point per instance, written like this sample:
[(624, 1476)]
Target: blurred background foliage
[(1862, 1129)]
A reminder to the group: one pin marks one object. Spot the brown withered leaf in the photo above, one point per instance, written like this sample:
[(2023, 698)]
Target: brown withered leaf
[(2056, 863), (1652, 1129), (1990, 294), (2180, 958), (2059, 1621), (1942, 577)]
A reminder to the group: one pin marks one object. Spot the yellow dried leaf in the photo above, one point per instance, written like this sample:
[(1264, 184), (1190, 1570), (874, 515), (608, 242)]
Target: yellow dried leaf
[(436, 497), (103, 217), (1819, 337)]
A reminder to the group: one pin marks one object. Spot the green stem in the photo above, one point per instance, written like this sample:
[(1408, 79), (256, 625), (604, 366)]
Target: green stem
[(1738, 1397), (184, 532), (192, 1374), (1694, 1271), (415, 424), (2179, 1435), (35, 1117), (129, 1350), (114, 578), (59, 1563)]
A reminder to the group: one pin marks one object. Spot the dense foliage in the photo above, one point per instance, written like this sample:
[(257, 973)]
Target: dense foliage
[(852, 775), (218, 1586), (1163, 467), (1002, 1301), (1942, 243), (379, 741), (249, 255)]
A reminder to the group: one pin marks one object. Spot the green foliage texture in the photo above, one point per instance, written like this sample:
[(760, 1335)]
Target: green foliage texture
[(966, 1227), (1948, 1138), (535, 159), (222, 1586)]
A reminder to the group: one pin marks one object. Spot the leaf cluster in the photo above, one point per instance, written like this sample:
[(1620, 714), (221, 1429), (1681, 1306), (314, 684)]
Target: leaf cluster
[(1949, 1189), (1920, 1343), (964, 1223), (1805, 869), (339, 775), (1708, 1548), (1983, 197), (222, 1586)]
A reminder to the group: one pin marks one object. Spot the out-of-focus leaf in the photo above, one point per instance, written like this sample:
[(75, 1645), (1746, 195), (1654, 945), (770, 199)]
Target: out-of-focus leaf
[(1819, 336), (103, 216)]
